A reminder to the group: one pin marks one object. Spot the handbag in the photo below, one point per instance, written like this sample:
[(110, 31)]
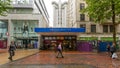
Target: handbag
[(114, 55)]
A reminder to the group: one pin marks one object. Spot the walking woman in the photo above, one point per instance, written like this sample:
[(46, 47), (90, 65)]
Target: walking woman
[(59, 49), (11, 50)]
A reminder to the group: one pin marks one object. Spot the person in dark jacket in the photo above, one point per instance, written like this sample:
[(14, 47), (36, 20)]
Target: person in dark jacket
[(113, 49), (11, 50)]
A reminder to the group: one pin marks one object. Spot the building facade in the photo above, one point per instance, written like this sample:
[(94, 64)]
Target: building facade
[(60, 14), (94, 31), (21, 20)]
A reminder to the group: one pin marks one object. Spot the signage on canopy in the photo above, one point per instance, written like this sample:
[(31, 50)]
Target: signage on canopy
[(59, 29)]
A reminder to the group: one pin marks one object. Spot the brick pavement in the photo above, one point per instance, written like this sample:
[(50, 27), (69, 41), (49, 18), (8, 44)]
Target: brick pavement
[(3, 50), (78, 59)]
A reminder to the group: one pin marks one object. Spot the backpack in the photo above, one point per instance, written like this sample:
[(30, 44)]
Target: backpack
[(112, 48)]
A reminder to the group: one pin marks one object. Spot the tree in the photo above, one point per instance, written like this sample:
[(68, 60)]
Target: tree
[(4, 6), (102, 10)]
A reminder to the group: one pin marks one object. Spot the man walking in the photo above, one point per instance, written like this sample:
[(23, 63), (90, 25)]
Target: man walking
[(11, 50)]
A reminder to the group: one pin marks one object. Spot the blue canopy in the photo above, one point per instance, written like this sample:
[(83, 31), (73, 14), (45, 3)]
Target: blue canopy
[(59, 30)]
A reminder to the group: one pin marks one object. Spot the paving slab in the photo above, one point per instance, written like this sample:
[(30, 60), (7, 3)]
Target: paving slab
[(72, 59), (19, 53)]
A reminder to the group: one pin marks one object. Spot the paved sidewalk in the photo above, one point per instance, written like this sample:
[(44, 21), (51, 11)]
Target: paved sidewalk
[(72, 59), (19, 53), (3, 50)]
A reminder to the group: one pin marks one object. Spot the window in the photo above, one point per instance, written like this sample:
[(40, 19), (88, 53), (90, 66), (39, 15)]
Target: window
[(82, 17), (19, 29), (111, 28), (93, 28), (82, 26), (82, 6), (105, 28), (3, 25), (24, 11), (30, 1), (12, 11), (19, 2), (32, 29)]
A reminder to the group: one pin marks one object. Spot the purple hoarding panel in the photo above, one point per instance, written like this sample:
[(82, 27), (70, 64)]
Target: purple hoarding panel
[(84, 46)]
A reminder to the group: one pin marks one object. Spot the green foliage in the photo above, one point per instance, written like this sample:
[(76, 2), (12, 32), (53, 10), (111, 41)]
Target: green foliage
[(4, 6), (101, 10)]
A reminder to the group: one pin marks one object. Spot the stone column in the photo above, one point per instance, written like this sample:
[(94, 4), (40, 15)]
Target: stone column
[(38, 41), (9, 32), (88, 28)]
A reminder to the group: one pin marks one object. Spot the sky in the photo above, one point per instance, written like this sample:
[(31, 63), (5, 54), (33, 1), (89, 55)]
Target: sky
[(49, 7)]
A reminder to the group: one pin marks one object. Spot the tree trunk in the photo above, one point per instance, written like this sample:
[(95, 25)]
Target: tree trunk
[(113, 21)]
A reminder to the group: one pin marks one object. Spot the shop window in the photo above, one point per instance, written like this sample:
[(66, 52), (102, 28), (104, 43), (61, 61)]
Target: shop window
[(50, 38), (62, 38), (18, 29), (73, 37), (21, 29), (66, 38), (54, 38), (58, 37), (32, 29), (70, 38), (46, 38)]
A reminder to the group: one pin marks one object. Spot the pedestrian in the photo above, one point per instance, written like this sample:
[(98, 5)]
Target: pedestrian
[(59, 50), (11, 50), (113, 49), (108, 48)]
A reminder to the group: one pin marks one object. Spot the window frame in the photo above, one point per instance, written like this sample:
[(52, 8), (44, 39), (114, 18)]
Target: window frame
[(82, 6), (82, 17), (93, 28)]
